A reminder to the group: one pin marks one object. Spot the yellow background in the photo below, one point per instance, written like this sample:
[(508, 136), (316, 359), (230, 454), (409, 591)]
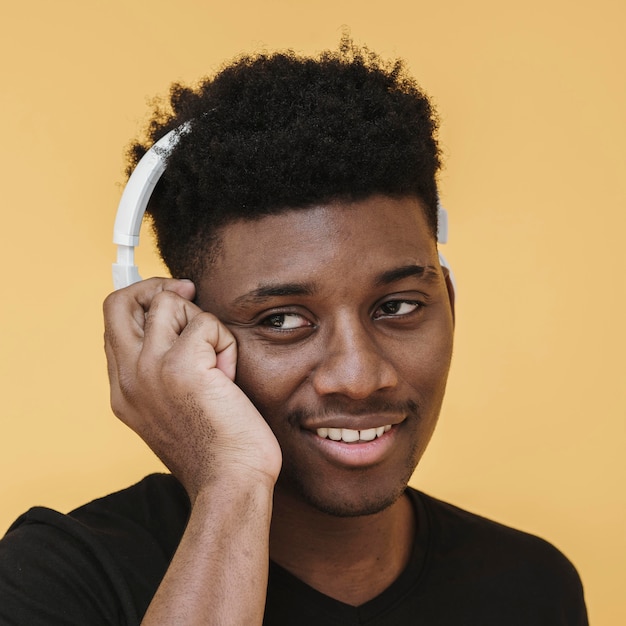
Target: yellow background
[(532, 98)]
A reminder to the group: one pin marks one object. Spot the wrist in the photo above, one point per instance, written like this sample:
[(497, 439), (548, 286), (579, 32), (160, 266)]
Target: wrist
[(230, 486)]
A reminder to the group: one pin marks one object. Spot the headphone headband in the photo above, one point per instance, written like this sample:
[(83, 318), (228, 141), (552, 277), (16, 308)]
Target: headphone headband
[(133, 205), (135, 199)]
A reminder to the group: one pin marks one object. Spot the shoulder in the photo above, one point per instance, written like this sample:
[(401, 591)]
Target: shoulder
[(492, 563), (458, 530), (154, 510), (157, 504), (102, 559)]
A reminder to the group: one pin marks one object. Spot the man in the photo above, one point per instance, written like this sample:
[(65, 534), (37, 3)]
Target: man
[(290, 377)]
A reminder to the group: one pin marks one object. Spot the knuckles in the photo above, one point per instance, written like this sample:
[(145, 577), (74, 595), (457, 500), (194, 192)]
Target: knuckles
[(142, 381), (165, 298)]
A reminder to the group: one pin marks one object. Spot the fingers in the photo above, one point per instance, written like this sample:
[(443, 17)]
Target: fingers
[(125, 311), (167, 316), (153, 329), (136, 299), (206, 343)]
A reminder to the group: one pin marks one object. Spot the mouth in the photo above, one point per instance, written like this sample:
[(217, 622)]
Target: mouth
[(352, 448), (348, 435)]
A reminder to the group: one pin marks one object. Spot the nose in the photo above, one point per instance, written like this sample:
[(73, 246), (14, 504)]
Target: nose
[(352, 363)]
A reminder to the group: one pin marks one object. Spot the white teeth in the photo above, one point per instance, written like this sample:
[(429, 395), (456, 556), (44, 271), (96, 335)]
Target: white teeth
[(368, 435), (348, 435), (333, 433)]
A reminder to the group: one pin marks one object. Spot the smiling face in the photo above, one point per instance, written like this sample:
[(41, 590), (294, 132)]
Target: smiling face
[(344, 327)]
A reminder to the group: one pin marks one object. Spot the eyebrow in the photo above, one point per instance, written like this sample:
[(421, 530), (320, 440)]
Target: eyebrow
[(265, 292), (428, 272)]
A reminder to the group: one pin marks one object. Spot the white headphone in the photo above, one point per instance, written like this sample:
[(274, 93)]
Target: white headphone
[(135, 198)]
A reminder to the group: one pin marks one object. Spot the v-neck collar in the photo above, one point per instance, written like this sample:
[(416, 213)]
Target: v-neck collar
[(317, 608)]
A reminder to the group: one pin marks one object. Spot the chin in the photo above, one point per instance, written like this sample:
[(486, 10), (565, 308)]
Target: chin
[(338, 498)]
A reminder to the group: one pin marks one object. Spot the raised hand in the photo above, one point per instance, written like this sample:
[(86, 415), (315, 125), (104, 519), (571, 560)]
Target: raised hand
[(171, 369)]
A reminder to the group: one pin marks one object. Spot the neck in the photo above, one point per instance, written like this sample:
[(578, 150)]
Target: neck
[(351, 559)]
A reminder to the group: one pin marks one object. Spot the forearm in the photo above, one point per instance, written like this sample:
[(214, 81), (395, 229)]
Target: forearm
[(172, 370), (219, 572)]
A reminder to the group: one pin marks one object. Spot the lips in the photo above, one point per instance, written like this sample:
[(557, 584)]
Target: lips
[(352, 448), (349, 435), (356, 436)]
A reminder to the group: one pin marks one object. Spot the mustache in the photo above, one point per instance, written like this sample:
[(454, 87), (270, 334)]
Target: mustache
[(333, 407)]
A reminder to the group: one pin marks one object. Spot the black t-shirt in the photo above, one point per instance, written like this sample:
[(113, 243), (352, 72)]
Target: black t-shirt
[(102, 563)]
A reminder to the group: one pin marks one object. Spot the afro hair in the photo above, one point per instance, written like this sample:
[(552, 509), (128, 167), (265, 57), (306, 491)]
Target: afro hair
[(276, 132)]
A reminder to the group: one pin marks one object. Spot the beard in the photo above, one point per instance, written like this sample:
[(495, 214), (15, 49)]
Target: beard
[(357, 492), (368, 504)]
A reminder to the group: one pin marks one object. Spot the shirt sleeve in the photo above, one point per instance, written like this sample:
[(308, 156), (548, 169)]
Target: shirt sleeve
[(53, 572)]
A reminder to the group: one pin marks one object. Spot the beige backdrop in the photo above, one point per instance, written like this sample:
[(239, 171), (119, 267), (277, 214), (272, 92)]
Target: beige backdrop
[(532, 98)]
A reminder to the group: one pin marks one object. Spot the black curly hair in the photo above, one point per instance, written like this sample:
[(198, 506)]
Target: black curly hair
[(276, 132)]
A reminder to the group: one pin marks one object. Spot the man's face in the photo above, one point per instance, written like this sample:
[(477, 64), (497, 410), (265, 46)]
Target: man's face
[(344, 327)]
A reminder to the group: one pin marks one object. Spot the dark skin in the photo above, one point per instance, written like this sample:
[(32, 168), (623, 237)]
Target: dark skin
[(342, 319)]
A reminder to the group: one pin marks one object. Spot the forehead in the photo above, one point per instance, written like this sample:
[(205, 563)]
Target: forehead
[(389, 221), (335, 244)]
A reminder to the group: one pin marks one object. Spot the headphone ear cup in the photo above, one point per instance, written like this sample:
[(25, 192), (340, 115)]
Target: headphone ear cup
[(442, 237), (444, 263)]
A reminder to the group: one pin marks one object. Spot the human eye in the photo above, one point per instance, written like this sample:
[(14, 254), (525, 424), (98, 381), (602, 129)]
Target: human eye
[(397, 308), (285, 321)]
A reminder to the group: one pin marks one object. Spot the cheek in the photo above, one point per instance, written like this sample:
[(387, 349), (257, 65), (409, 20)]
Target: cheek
[(424, 364), (267, 378)]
